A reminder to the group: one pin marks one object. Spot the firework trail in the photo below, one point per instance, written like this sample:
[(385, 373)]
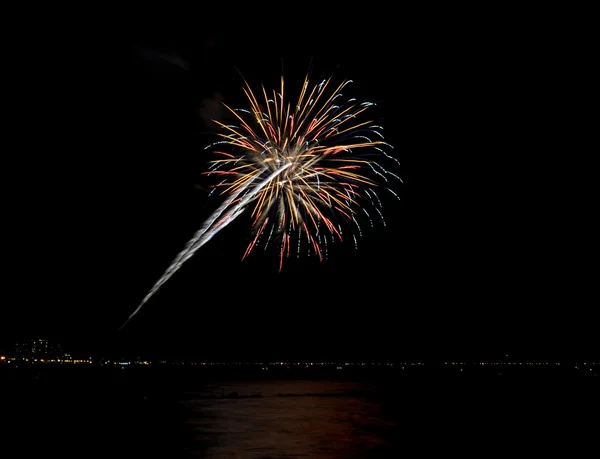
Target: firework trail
[(210, 227), (298, 166)]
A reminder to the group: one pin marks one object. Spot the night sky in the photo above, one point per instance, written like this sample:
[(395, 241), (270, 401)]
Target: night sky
[(483, 256)]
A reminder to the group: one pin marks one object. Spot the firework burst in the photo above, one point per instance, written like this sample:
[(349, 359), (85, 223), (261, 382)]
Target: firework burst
[(323, 180), (307, 172)]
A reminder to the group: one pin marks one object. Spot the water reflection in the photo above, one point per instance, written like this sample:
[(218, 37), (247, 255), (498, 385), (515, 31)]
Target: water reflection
[(285, 419)]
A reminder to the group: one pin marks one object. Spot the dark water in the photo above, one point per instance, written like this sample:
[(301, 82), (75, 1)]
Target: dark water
[(180, 414), (281, 419)]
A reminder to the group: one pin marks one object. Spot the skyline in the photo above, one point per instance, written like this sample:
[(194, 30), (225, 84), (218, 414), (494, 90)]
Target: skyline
[(44, 351)]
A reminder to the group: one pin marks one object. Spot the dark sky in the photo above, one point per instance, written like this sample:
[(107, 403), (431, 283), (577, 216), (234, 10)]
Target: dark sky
[(480, 258)]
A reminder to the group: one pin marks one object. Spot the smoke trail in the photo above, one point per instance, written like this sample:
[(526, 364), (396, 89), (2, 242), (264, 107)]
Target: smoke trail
[(207, 231)]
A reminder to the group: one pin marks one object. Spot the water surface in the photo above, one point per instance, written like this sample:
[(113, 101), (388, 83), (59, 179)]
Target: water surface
[(290, 419)]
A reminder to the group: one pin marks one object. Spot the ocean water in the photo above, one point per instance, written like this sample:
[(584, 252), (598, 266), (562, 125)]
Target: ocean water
[(289, 419), (87, 413)]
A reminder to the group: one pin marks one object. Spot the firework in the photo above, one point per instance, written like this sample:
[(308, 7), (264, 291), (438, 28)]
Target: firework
[(306, 172)]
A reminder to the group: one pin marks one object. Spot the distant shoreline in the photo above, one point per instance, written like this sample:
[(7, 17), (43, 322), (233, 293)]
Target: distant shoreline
[(111, 371)]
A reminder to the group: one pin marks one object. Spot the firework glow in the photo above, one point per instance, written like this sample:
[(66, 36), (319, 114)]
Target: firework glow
[(306, 172)]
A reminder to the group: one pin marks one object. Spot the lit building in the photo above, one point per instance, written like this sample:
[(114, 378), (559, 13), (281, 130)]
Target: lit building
[(39, 348)]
